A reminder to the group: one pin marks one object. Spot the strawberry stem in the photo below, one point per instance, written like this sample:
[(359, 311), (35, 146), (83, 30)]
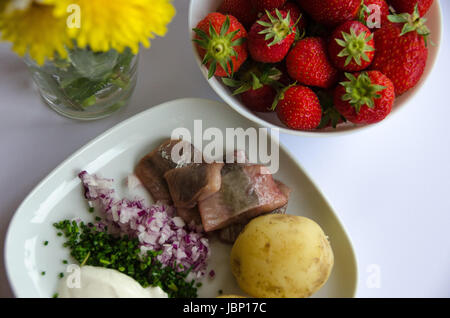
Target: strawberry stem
[(219, 47), (360, 91), (253, 76), (280, 95), (355, 46), (411, 22), (278, 28)]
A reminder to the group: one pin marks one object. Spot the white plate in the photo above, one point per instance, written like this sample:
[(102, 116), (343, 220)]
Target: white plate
[(114, 154), (199, 9)]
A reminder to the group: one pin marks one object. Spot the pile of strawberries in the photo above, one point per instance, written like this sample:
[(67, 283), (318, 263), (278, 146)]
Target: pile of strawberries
[(317, 63)]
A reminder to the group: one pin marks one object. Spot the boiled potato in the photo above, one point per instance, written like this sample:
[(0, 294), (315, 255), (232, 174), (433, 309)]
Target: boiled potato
[(281, 256)]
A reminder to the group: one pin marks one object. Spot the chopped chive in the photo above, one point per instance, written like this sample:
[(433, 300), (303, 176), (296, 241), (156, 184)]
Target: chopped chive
[(91, 209), (46, 243), (105, 262), (55, 295), (96, 247), (42, 273), (61, 275)]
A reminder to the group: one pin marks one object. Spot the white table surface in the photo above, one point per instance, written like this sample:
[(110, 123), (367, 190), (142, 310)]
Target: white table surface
[(390, 185)]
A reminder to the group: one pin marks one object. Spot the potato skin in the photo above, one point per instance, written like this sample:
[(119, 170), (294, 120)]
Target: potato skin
[(281, 256)]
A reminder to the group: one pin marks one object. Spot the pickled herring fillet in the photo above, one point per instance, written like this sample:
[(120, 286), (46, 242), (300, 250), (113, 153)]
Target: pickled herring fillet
[(193, 183), (287, 192), (246, 192), (151, 169), (190, 215), (230, 233)]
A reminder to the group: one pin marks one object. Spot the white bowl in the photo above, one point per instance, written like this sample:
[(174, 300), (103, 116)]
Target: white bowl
[(199, 9)]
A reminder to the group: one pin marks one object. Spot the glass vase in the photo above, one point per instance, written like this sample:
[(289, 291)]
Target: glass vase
[(86, 85)]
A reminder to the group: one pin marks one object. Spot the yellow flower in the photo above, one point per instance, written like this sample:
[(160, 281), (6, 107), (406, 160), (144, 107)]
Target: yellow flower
[(13, 5), (34, 30), (43, 28), (116, 24)]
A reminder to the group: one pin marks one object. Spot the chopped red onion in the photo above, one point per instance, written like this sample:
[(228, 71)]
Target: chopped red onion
[(156, 227)]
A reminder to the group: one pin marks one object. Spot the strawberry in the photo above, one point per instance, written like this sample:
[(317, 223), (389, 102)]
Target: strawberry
[(271, 37), (285, 79), (373, 13), (221, 43), (402, 6), (257, 83), (299, 108), (401, 50), (260, 99), (331, 12), (263, 5), (330, 116), (366, 98), (352, 47), (296, 15), (242, 10), (309, 64)]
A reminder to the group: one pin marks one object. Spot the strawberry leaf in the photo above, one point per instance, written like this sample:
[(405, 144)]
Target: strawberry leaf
[(278, 28), (360, 91)]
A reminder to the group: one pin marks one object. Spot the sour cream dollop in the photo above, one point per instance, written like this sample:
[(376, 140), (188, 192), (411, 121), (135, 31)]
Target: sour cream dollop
[(99, 282)]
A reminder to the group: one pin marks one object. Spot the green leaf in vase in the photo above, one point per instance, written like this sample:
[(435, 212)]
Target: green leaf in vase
[(83, 90), (91, 73), (94, 66), (124, 61)]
